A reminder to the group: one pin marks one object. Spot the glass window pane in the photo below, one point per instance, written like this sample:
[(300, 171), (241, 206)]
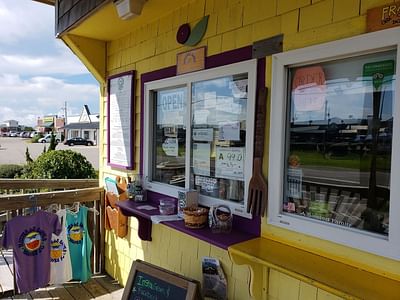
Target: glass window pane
[(169, 136), (219, 108), (340, 122)]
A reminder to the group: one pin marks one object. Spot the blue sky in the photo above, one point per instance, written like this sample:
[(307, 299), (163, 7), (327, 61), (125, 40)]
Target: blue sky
[(38, 72)]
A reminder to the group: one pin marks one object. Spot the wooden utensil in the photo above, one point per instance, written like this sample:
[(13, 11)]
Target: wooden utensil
[(257, 195)]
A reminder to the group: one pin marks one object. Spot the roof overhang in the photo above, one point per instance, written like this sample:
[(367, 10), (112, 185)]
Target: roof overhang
[(49, 2), (93, 25)]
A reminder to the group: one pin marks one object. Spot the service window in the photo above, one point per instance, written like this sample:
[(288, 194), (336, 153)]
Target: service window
[(333, 161), (199, 134)]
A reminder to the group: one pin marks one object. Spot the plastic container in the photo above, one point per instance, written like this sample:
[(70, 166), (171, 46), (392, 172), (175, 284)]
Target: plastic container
[(167, 207)]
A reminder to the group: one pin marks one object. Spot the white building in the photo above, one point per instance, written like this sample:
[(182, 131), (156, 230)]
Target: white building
[(85, 125)]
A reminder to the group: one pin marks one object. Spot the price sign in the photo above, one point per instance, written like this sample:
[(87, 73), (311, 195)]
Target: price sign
[(229, 163)]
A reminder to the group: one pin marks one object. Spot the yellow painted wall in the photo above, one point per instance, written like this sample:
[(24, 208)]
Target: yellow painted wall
[(232, 24), (174, 251)]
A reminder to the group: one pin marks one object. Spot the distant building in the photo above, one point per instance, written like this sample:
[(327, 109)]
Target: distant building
[(50, 123), (9, 125), (85, 125)]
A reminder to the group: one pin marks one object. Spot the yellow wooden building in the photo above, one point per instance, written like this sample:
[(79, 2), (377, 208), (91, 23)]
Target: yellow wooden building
[(331, 143)]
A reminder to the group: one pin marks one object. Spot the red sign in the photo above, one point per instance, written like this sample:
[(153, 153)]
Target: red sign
[(308, 88)]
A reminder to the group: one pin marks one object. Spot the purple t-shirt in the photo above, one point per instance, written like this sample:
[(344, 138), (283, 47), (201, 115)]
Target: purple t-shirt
[(29, 237)]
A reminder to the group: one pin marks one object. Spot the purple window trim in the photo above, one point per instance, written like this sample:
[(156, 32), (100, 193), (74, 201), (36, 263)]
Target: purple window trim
[(132, 125), (250, 226)]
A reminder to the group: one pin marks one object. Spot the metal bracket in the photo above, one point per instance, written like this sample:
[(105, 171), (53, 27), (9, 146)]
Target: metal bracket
[(268, 46)]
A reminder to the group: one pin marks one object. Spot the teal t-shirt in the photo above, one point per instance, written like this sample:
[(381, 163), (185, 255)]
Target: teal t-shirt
[(80, 244)]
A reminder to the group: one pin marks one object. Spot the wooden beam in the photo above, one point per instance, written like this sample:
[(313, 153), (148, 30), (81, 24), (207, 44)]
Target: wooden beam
[(49, 2), (91, 52), (13, 202), (17, 184)]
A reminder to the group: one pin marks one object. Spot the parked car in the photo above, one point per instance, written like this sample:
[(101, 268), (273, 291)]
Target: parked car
[(33, 134), (47, 139), (78, 141)]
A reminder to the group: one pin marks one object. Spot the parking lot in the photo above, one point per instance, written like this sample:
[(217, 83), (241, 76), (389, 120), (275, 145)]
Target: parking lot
[(12, 150)]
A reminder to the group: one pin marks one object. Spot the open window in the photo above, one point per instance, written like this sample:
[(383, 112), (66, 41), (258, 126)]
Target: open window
[(335, 142), (199, 134)]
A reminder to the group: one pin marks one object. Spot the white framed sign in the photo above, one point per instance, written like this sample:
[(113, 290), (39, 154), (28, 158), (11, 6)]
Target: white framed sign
[(229, 163), (121, 120)]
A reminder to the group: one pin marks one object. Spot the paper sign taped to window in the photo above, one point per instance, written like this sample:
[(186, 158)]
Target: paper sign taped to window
[(239, 88), (229, 131), (210, 99), (170, 147), (309, 89), (294, 183), (201, 158), (203, 134), (200, 117), (229, 163)]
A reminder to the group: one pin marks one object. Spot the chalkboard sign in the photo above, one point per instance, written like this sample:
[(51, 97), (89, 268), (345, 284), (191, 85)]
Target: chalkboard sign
[(149, 282)]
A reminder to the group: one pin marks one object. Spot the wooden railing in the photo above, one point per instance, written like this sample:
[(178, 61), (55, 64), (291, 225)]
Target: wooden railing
[(17, 196)]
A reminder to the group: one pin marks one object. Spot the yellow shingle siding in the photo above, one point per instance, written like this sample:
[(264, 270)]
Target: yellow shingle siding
[(288, 5), (345, 9), (316, 15), (232, 24)]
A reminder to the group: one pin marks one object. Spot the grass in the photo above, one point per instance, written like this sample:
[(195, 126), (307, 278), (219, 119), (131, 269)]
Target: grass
[(349, 161)]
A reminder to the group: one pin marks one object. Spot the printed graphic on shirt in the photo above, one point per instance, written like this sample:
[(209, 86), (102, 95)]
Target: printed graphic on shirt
[(75, 233), (57, 250), (32, 241)]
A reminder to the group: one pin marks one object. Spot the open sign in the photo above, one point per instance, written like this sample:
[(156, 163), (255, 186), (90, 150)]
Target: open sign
[(172, 100)]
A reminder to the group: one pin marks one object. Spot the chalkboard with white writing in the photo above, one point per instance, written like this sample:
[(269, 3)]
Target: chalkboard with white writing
[(150, 282)]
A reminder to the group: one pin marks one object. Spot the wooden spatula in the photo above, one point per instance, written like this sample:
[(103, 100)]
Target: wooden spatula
[(258, 190)]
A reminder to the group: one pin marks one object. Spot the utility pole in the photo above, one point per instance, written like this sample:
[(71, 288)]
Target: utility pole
[(65, 113)]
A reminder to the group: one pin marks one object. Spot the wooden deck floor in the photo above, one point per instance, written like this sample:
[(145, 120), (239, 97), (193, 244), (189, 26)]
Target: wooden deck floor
[(98, 287)]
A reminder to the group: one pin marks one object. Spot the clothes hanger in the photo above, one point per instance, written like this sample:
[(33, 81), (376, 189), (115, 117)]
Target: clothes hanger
[(74, 208), (54, 207), (92, 209), (33, 209)]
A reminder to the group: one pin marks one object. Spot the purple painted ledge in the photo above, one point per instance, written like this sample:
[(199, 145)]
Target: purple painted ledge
[(222, 240)]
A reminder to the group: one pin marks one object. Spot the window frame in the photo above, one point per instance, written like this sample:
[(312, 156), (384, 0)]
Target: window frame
[(364, 44), (249, 67)]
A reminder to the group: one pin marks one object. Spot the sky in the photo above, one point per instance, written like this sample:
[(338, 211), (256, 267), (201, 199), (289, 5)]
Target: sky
[(39, 73)]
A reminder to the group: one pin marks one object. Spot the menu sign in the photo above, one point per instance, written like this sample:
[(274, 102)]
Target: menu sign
[(120, 112), (147, 281)]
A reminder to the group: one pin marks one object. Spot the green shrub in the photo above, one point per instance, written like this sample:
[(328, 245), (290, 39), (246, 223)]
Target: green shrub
[(10, 171), (60, 164), (35, 139)]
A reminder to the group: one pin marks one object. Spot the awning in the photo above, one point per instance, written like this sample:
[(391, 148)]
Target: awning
[(48, 125)]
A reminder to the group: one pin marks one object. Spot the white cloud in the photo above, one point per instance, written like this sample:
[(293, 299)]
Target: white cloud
[(25, 100), (60, 62), (38, 73), (22, 18)]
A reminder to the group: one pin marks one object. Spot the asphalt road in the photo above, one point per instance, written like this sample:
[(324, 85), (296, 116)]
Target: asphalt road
[(12, 151)]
